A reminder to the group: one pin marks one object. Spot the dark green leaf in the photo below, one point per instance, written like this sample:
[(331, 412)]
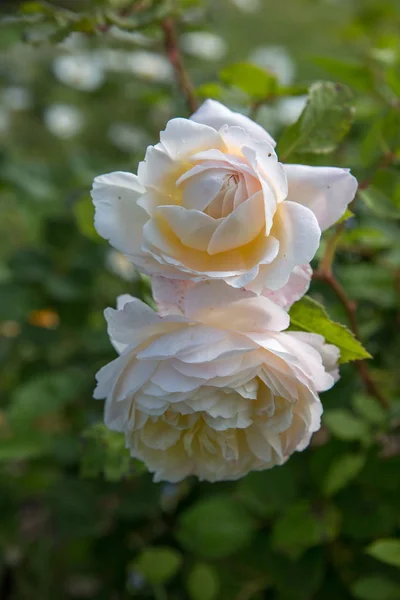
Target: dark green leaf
[(215, 527), (375, 586)]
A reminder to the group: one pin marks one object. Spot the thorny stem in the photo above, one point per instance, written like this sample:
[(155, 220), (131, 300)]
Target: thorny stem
[(324, 273), (175, 58)]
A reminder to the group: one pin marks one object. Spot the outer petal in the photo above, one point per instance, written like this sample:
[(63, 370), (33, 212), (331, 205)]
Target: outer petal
[(216, 115), (296, 287), (216, 303), (327, 191), (118, 218), (298, 232), (183, 137)]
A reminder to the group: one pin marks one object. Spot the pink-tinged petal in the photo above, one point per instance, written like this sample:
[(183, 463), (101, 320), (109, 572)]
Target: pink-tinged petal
[(330, 354), (118, 218), (194, 228), (183, 137), (169, 294), (296, 287), (298, 232), (327, 191), (216, 303), (240, 227), (217, 115)]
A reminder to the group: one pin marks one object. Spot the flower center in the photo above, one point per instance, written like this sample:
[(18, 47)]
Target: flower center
[(230, 195)]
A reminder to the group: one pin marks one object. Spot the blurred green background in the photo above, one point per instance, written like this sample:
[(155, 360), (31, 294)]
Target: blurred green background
[(81, 96)]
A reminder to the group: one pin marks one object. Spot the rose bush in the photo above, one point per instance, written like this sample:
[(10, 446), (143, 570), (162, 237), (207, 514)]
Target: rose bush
[(217, 389), (211, 201)]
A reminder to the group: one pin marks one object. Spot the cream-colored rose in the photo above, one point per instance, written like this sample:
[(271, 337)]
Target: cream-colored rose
[(211, 201), (215, 391)]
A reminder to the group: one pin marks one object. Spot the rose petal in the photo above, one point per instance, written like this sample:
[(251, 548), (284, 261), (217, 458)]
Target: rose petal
[(327, 191), (216, 115), (240, 227), (118, 217), (183, 137)]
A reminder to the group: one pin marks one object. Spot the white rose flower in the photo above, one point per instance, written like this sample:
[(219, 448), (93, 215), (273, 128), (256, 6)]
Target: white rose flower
[(211, 201), (215, 391)]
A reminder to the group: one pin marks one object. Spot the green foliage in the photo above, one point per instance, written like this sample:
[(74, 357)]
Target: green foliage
[(158, 564), (253, 80), (203, 582), (79, 518), (387, 550), (323, 123), (215, 527), (344, 469), (309, 315)]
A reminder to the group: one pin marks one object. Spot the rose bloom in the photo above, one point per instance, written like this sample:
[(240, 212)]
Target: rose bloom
[(211, 201), (217, 389)]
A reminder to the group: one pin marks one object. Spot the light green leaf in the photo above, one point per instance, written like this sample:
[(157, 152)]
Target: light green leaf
[(345, 426), (210, 90), (158, 564), (324, 122), (203, 582), (370, 409), (386, 550), (309, 315), (215, 527), (380, 204), (343, 470), (347, 215), (374, 587), (253, 80)]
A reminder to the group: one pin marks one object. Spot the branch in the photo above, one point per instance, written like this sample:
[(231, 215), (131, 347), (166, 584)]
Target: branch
[(175, 58), (325, 274)]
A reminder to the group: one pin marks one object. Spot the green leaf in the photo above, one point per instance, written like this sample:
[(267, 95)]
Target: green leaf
[(309, 315), (369, 408), (159, 564), (341, 472), (393, 79), (253, 80), (300, 527), (352, 72), (324, 122), (345, 426), (347, 215), (267, 492), (210, 90), (380, 204), (203, 582), (84, 215), (386, 550), (374, 587), (215, 527)]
